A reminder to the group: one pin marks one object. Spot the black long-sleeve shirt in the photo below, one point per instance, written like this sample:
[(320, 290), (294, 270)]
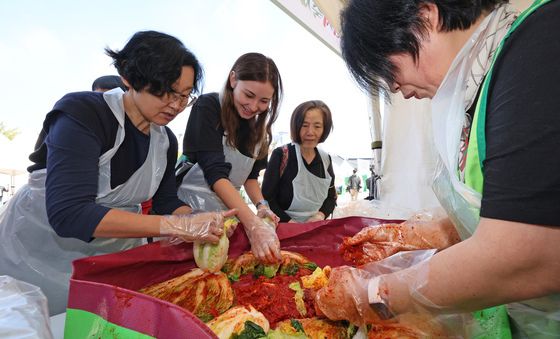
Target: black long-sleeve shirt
[(279, 190)]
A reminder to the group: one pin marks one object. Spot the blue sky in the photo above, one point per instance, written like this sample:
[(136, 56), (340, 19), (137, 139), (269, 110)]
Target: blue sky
[(50, 48)]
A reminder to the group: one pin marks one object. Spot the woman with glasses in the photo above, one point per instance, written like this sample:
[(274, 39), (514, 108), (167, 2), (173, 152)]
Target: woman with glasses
[(227, 138), (98, 157), (299, 178)]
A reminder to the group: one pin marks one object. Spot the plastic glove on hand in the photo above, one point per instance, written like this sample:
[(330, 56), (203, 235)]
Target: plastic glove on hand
[(264, 241), (319, 216), (230, 222), (265, 212), (346, 296), (374, 243), (204, 227)]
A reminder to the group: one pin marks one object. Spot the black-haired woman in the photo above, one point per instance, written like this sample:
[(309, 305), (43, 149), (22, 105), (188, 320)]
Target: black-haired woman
[(299, 178), (227, 137), (98, 157), (492, 77)]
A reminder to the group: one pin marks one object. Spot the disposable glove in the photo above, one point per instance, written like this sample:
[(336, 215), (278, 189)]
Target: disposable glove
[(231, 230), (264, 241), (231, 226), (346, 297), (204, 227), (319, 216), (264, 211), (374, 243)]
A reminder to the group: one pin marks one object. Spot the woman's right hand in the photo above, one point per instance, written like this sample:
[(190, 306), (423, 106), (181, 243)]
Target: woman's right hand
[(346, 296), (319, 216), (264, 241), (204, 227)]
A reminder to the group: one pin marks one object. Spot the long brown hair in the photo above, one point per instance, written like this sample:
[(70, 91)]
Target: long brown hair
[(252, 67)]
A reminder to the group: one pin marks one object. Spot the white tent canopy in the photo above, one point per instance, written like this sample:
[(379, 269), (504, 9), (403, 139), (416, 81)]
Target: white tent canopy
[(13, 162)]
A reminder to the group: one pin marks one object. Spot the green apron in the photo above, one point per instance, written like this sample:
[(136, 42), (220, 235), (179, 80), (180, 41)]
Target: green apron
[(539, 318)]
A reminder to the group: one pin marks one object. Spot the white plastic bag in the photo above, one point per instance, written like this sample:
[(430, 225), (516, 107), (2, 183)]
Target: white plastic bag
[(23, 310), (372, 209)]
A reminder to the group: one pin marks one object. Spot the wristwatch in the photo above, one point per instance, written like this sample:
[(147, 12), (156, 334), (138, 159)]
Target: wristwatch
[(375, 300), (262, 202)]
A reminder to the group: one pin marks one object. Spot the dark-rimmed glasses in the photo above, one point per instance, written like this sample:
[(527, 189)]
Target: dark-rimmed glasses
[(183, 100)]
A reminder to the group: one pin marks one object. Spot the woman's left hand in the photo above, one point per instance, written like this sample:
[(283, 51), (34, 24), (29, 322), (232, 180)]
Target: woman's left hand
[(265, 244), (205, 227), (319, 216), (264, 211)]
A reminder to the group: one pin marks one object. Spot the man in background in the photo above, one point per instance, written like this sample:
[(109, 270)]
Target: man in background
[(354, 185), (371, 184)]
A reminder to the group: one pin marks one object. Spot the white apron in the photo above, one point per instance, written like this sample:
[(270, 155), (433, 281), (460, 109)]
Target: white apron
[(310, 191), (31, 251), (194, 190), (461, 202), (536, 317)]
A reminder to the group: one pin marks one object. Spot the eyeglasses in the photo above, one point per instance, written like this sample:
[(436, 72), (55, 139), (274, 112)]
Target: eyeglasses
[(184, 100)]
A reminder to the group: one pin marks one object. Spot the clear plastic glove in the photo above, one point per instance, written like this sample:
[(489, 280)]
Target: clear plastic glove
[(264, 211), (319, 216), (374, 243), (346, 296), (231, 230), (264, 241), (229, 217), (204, 227), (391, 287)]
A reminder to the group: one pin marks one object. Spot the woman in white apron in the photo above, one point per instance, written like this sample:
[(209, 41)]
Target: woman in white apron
[(499, 182), (299, 178), (99, 156), (227, 138)]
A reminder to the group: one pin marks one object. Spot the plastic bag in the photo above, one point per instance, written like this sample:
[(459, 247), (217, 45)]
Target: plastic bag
[(23, 310), (182, 167), (537, 318), (371, 209)]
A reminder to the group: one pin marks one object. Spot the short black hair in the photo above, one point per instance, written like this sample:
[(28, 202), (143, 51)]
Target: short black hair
[(374, 30), (153, 61), (298, 116), (108, 82)]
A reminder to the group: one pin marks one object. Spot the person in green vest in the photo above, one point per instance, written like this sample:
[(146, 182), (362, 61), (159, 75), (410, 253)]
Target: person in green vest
[(492, 74)]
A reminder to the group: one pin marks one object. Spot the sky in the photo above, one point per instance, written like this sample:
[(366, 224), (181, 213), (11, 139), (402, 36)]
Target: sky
[(50, 48)]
